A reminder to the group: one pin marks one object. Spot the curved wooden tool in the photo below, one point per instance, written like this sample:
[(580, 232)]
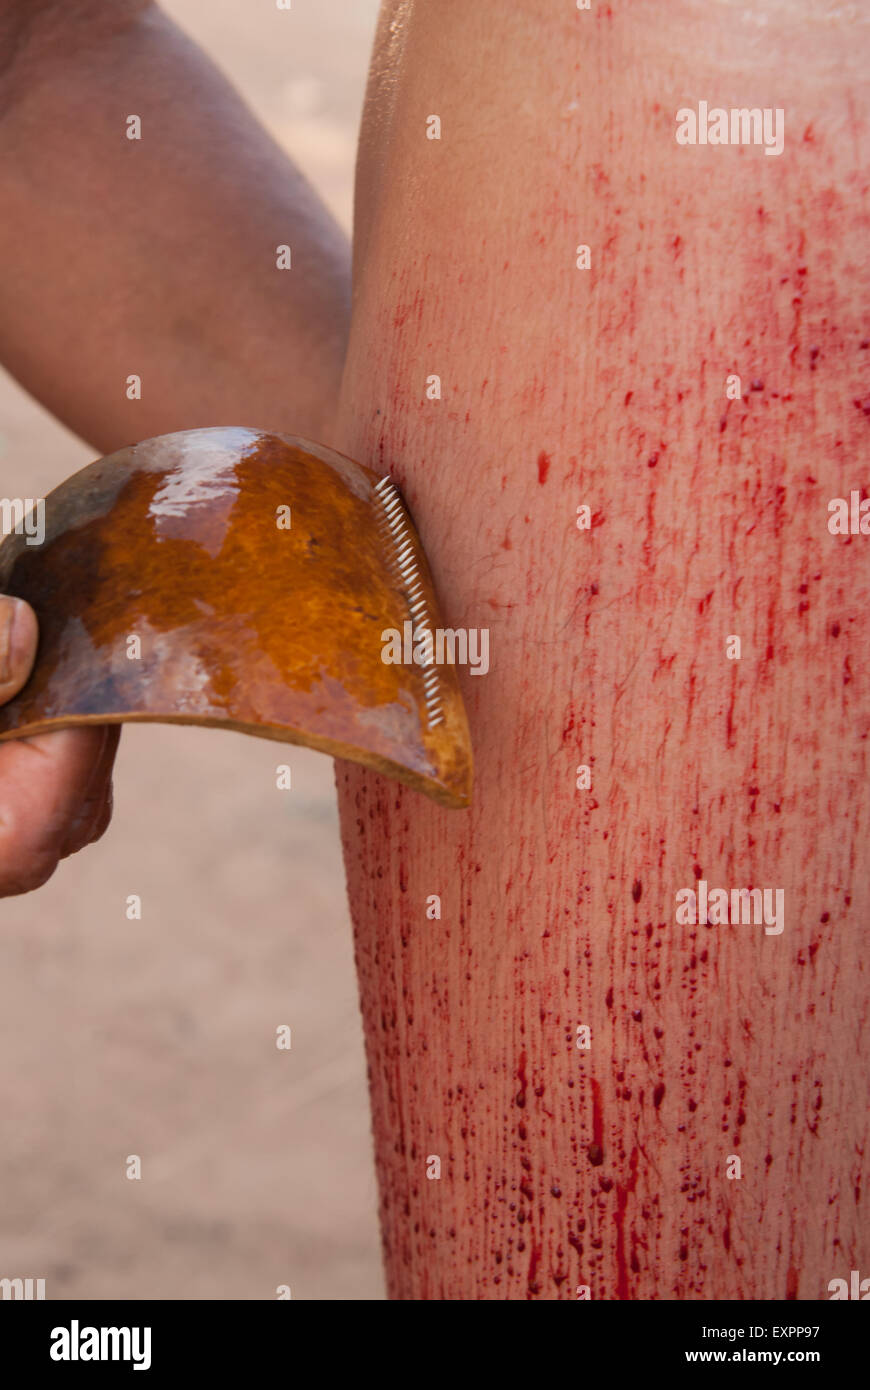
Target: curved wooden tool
[(259, 574)]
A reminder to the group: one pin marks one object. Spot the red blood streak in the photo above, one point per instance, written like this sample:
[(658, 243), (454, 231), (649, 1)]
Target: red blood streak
[(533, 1266), (622, 1195), (597, 1116), (520, 1098)]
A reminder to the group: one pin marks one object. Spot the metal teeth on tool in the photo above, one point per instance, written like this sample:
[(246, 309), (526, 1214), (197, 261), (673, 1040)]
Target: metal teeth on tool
[(393, 521)]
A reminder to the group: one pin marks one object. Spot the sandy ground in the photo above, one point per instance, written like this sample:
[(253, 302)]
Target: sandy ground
[(157, 1038)]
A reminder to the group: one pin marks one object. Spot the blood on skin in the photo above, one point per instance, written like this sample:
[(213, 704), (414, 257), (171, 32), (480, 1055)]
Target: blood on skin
[(508, 976)]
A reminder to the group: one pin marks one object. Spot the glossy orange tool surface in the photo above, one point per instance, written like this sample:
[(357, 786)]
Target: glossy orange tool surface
[(259, 573)]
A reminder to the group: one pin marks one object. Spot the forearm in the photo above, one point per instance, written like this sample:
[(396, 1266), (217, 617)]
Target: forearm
[(156, 257)]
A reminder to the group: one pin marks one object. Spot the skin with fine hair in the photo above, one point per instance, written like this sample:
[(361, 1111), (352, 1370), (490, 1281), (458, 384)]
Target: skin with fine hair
[(584, 1067), (600, 1163)]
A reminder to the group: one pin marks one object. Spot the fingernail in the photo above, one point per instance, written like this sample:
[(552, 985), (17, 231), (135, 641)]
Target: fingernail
[(16, 638)]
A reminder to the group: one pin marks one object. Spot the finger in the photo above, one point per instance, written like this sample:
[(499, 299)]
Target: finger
[(19, 634), (41, 783), (95, 812), (103, 819)]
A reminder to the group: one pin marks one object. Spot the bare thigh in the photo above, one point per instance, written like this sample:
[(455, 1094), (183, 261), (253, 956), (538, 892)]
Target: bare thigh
[(610, 1166)]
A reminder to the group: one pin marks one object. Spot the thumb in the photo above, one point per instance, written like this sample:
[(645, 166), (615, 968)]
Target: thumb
[(18, 638)]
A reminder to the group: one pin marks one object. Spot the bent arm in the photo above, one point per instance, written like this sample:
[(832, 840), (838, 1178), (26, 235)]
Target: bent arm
[(155, 257)]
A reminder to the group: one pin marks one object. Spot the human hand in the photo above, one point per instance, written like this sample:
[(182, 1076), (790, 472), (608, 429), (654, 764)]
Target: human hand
[(55, 789)]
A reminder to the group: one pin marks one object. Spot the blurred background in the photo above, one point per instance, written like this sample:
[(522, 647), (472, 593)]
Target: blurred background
[(157, 1037)]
